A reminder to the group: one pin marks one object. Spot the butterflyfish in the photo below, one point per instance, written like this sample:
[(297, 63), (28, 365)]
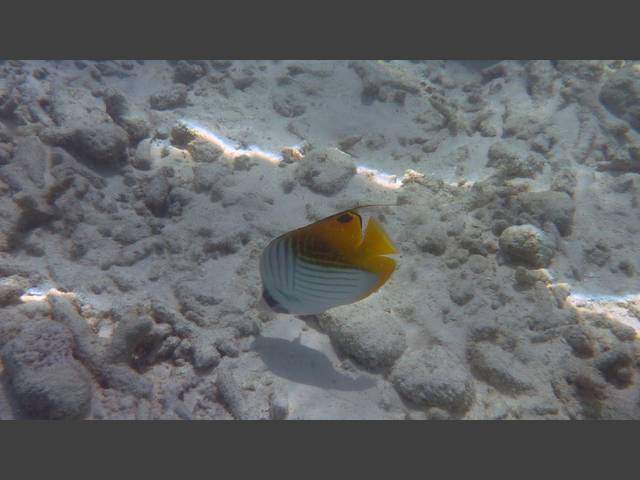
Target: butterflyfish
[(326, 264)]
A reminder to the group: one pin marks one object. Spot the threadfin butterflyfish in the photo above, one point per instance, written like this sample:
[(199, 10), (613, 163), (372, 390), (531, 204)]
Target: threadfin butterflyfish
[(326, 264)]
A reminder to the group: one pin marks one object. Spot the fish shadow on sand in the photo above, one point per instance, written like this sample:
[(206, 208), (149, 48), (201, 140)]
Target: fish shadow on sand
[(300, 364)]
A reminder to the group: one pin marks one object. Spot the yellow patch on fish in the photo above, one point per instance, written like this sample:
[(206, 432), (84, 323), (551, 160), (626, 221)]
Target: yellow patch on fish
[(326, 264)]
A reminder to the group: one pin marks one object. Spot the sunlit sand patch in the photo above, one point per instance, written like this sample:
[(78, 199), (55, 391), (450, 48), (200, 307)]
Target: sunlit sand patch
[(617, 307), (392, 181), (622, 308), (597, 298), (105, 330)]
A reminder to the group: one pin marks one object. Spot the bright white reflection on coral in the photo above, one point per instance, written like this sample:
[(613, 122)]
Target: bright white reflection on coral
[(381, 178), (36, 294), (228, 148)]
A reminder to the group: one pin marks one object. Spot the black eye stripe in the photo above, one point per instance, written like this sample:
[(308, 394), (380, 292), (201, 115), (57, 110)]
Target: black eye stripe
[(345, 218)]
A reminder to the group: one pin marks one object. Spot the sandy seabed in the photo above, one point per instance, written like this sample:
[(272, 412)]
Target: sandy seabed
[(137, 196)]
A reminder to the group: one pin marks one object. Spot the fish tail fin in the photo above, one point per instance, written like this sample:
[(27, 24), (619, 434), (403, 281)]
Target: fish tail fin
[(376, 241), (383, 267)]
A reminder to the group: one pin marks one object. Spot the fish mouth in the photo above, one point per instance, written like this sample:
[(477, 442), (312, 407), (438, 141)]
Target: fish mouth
[(272, 303)]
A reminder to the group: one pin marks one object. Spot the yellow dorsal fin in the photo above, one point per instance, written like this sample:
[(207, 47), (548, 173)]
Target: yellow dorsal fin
[(376, 241)]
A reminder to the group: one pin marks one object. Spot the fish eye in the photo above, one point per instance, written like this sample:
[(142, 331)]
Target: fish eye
[(345, 218)]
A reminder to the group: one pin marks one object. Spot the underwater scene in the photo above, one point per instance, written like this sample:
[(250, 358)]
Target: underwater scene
[(314, 240)]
